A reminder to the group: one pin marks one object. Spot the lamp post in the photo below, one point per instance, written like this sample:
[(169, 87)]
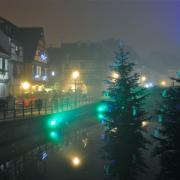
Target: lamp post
[(25, 86), (75, 76)]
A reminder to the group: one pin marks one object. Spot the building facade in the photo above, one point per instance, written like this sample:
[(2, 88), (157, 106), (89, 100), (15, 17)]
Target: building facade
[(90, 59), (23, 58), (35, 58), (15, 60), (4, 65)]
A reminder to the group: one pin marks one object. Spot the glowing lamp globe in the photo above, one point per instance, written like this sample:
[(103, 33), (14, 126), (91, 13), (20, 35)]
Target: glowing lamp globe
[(75, 74), (163, 83), (144, 124), (76, 161), (115, 75), (143, 78), (25, 85)]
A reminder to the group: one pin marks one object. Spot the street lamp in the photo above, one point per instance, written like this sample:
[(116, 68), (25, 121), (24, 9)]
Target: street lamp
[(25, 85), (144, 124), (143, 78), (52, 73), (163, 83), (75, 76), (115, 75), (76, 161)]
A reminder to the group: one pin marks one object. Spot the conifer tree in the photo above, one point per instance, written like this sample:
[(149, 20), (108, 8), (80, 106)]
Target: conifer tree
[(169, 148), (125, 140)]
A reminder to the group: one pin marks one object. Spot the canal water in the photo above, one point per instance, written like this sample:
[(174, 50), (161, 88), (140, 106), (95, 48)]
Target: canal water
[(54, 155)]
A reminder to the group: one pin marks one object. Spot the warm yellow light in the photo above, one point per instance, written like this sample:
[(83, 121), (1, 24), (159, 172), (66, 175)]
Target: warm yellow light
[(144, 124), (75, 74), (76, 161), (143, 78), (52, 73), (73, 87), (48, 89), (115, 75), (33, 87), (163, 83), (25, 85), (40, 88)]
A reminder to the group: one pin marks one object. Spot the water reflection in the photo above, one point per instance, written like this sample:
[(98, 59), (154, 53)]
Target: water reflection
[(30, 165), (27, 159)]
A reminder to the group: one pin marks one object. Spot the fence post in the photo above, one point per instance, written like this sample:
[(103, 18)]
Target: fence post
[(23, 108), (67, 103), (71, 102), (79, 100), (39, 107), (4, 113), (58, 104), (62, 104), (14, 109), (45, 106), (51, 106), (31, 106)]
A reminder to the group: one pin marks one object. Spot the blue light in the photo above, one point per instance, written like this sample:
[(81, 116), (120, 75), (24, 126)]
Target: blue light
[(148, 85), (43, 57), (36, 76), (44, 156), (44, 78)]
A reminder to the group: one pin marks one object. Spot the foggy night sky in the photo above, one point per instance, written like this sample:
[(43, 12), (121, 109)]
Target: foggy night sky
[(150, 27)]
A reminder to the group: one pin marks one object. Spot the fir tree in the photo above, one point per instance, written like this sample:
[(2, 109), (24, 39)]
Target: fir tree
[(125, 140), (169, 148)]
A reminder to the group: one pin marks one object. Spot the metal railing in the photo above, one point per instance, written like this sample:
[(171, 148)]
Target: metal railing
[(40, 107)]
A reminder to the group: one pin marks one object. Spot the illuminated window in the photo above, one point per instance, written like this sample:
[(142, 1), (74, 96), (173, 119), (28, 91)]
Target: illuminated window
[(44, 71), (6, 64), (37, 72), (1, 62)]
